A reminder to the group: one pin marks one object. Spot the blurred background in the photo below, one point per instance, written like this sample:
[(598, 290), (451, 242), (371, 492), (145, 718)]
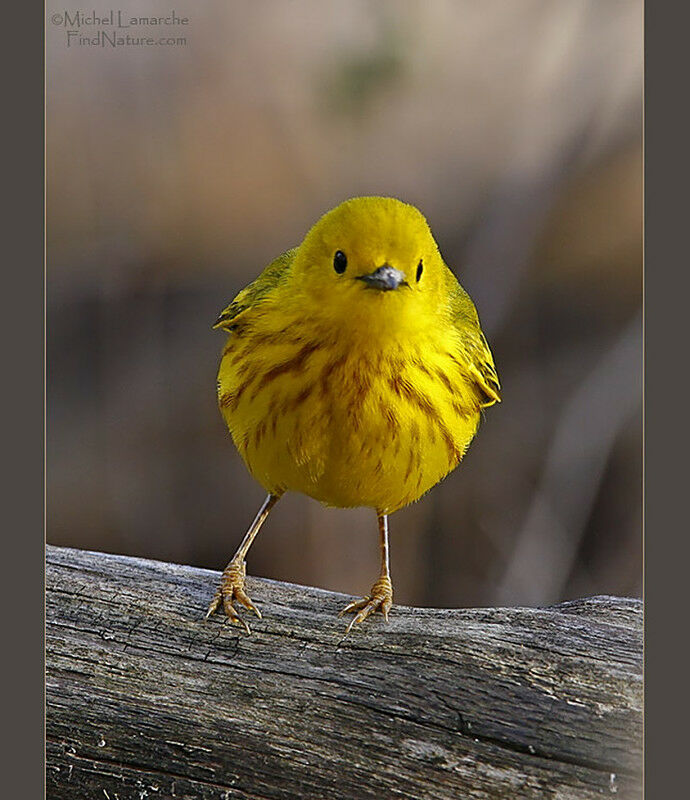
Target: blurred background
[(176, 172)]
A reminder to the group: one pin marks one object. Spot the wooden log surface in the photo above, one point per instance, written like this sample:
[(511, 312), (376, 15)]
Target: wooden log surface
[(146, 699)]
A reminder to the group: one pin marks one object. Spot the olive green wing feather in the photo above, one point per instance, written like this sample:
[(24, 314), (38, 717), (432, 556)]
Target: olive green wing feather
[(274, 274), (474, 350)]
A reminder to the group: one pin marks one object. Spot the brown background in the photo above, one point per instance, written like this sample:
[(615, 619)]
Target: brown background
[(176, 173)]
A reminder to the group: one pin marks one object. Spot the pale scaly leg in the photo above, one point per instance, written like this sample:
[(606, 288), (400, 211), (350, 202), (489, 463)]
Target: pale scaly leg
[(381, 596), (231, 586)]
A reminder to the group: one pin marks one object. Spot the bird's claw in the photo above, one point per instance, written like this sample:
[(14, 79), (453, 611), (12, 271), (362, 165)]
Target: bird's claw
[(379, 599), (232, 589)]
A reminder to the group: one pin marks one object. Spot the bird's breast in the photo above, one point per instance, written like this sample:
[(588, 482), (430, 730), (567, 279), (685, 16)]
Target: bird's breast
[(348, 426)]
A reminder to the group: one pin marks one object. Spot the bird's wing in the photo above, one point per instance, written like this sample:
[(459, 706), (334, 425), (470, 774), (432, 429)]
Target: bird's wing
[(257, 290), (475, 351)]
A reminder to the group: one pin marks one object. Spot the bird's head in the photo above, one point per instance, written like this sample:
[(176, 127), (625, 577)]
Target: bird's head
[(371, 261)]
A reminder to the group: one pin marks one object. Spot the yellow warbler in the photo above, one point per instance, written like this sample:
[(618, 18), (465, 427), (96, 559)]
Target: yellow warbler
[(355, 372)]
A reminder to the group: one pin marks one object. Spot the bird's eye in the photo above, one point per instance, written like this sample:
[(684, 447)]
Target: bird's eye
[(339, 262), (420, 269)]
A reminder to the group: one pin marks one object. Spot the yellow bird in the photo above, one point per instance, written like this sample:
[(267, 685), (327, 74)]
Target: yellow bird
[(355, 372)]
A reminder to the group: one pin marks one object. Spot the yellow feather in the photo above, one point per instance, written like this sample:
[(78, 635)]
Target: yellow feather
[(348, 392)]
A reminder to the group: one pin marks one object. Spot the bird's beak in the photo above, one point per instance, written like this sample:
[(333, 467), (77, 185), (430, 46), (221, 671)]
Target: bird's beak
[(384, 278)]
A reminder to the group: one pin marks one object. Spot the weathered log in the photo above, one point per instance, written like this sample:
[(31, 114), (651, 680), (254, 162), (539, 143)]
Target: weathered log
[(146, 699)]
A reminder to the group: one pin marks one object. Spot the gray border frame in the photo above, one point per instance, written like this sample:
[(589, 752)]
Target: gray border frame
[(23, 391), (666, 294)]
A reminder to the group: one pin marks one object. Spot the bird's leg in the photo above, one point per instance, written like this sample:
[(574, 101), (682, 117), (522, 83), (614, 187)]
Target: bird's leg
[(380, 598), (231, 586)]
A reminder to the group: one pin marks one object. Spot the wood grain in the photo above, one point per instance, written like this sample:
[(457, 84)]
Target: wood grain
[(145, 699)]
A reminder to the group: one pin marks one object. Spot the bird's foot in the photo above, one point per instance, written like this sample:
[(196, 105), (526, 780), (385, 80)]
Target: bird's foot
[(379, 599), (232, 589)]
